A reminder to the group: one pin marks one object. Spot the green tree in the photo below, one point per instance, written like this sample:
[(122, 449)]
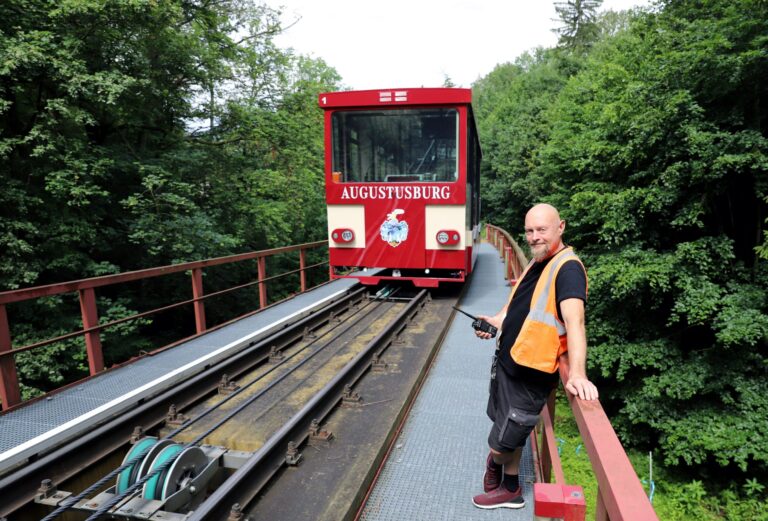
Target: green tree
[(579, 28), (654, 145), (511, 104), (135, 134)]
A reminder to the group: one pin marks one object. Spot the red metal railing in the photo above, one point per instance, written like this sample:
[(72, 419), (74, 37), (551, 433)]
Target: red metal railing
[(620, 495), (513, 257), (9, 384)]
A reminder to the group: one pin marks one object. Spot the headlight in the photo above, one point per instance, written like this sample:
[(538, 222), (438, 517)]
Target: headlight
[(342, 235), (448, 237)]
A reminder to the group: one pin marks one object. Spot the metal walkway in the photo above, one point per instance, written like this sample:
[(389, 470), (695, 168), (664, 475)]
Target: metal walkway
[(44, 424), (437, 463)]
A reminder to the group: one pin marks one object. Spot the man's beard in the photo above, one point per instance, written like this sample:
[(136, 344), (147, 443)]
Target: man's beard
[(539, 252)]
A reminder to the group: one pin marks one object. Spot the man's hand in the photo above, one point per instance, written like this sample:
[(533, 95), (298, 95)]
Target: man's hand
[(581, 387), (495, 321)]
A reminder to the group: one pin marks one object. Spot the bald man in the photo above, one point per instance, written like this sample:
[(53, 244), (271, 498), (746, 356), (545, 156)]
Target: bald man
[(533, 333)]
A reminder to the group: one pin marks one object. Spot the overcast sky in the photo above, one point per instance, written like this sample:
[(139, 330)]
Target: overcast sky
[(397, 43)]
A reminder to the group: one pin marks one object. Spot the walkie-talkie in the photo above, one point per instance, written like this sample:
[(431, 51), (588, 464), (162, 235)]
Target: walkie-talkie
[(479, 324)]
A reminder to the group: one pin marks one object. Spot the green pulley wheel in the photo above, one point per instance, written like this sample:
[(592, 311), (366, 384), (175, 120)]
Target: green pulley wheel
[(129, 475), (146, 463), (153, 488)]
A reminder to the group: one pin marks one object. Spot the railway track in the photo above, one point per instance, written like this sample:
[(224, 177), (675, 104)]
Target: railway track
[(208, 448)]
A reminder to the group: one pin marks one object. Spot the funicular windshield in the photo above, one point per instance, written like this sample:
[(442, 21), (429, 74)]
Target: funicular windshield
[(395, 146)]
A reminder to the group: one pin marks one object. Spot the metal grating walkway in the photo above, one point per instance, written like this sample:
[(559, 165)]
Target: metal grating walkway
[(437, 463), (62, 416)]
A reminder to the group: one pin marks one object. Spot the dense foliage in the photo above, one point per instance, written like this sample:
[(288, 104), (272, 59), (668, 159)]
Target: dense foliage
[(141, 133), (653, 145)]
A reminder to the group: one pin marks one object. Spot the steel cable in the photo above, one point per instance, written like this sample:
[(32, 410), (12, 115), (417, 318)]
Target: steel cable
[(104, 509), (73, 500)]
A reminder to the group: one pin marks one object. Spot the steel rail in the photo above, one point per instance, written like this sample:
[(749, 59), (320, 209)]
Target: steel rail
[(128, 494), (289, 372), (19, 488), (116, 502), (250, 479)]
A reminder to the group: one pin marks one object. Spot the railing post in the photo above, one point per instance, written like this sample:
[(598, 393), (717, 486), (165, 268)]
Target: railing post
[(197, 292), (508, 260), (548, 443), (9, 381), (92, 338), (601, 514), (551, 402), (302, 263), (262, 286), (546, 460)]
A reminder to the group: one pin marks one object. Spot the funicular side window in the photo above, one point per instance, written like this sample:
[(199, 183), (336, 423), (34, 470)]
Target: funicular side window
[(379, 146)]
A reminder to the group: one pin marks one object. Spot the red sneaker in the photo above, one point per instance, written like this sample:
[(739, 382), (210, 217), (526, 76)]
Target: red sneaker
[(492, 477), (500, 498)]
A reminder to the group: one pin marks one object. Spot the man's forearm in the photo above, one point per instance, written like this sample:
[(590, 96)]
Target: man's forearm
[(577, 349), (573, 316)]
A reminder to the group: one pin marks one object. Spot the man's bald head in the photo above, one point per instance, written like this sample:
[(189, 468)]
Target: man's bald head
[(544, 231), (545, 211)]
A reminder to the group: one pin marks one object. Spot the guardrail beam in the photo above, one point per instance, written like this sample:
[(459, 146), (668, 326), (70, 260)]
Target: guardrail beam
[(9, 381)]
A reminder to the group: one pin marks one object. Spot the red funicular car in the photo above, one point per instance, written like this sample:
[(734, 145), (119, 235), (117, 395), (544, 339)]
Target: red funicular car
[(402, 172)]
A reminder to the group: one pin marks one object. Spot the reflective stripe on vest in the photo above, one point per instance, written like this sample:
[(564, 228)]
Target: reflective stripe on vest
[(541, 315), (542, 337), (539, 310)]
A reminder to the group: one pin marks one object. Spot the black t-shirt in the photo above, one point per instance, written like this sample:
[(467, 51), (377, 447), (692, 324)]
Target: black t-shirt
[(571, 282)]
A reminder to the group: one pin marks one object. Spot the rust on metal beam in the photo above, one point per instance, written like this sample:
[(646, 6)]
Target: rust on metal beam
[(92, 338), (302, 264), (197, 294), (262, 263)]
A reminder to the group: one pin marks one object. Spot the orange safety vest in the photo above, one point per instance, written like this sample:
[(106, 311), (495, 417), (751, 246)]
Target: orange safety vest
[(542, 338)]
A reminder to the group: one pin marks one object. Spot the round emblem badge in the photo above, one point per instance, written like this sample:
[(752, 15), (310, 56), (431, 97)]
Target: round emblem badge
[(392, 231)]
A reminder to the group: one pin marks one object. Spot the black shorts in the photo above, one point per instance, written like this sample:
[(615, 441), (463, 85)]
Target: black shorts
[(514, 407)]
